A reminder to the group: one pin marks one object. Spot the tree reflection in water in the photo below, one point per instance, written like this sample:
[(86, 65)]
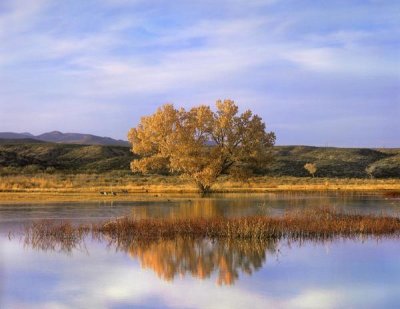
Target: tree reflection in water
[(168, 258), (202, 257), (242, 204)]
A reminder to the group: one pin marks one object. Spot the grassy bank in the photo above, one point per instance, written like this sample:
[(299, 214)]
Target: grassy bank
[(114, 186), (30, 158)]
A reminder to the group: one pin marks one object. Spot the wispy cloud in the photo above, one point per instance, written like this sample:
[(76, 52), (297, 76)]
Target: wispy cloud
[(134, 55)]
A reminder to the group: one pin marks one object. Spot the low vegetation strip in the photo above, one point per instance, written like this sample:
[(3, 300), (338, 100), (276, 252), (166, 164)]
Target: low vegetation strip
[(310, 224), (297, 225), (23, 158), (125, 184)]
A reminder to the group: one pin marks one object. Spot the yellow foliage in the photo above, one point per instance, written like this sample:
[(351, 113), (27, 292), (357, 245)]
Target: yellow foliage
[(311, 168), (200, 143)]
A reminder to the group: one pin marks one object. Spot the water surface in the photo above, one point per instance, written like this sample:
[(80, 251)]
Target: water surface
[(181, 206), (203, 273)]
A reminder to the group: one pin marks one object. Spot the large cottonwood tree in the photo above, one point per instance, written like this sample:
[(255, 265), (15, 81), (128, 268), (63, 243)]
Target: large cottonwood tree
[(201, 143)]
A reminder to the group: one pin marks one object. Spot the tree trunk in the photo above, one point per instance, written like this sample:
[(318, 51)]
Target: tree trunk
[(204, 189)]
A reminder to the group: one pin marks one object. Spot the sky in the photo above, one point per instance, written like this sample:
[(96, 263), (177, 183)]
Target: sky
[(324, 73)]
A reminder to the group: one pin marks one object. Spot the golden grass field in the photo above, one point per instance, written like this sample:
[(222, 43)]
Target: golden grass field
[(87, 187)]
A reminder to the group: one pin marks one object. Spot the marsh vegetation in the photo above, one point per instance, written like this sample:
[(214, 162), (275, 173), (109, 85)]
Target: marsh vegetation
[(202, 247), (317, 223)]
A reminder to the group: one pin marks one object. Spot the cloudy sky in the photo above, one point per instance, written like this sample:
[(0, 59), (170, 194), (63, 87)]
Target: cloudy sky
[(318, 72)]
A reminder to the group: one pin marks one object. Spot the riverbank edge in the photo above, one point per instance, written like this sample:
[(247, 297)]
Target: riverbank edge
[(77, 196)]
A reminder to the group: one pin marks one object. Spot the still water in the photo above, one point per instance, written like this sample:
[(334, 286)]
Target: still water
[(184, 273)]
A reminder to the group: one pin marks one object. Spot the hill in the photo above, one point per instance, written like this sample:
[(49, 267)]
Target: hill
[(8, 141), (31, 157), (335, 162), (14, 136), (65, 138)]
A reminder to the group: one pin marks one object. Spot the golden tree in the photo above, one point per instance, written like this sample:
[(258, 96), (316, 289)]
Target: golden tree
[(311, 168), (201, 143)]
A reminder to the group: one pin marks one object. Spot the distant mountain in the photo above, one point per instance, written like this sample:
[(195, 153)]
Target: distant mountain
[(12, 135), (63, 138)]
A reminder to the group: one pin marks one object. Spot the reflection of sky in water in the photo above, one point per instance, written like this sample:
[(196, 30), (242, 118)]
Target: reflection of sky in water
[(332, 275), (342, 274)]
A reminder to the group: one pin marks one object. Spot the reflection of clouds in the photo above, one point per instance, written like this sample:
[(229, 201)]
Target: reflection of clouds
[(107, 280), (315, 299), (351, 275), (363, 296)]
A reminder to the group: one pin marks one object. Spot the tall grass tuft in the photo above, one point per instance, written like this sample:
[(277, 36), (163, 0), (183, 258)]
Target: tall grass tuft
[(52, 235), (309, 224), (313, 224)]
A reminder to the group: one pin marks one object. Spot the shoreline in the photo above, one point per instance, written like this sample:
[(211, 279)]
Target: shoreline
[(7, 198), (42, 188)]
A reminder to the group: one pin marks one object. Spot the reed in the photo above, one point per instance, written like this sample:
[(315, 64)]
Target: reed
[(392, 194), (313, 224), (54, 235), (310, 224)]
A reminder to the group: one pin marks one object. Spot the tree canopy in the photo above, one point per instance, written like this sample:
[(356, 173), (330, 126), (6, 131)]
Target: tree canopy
[(311, 168), (201, 143)]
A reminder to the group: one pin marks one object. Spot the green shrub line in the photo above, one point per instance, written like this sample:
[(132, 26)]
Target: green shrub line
[(48, 158)]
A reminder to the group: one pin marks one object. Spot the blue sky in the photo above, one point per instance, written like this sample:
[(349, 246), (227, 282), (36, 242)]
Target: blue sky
[(317, 72)]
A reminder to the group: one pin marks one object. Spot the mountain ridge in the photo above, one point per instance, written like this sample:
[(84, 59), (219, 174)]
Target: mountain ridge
[(64, 138)]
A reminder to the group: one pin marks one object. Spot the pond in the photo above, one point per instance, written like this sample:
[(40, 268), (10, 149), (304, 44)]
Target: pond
[(202, 273)]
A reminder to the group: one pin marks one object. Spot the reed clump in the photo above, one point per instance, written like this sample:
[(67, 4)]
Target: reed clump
[(55, 236), (309, 224), (313, 224), (392, 194)]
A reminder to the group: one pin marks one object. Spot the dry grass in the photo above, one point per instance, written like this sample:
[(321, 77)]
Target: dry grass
[(392, 194), (321, 223), (50, 235), (309, 224), (71, 187)]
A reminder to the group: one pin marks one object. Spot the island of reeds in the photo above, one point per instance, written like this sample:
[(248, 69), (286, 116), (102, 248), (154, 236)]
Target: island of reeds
[(311, 224)]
